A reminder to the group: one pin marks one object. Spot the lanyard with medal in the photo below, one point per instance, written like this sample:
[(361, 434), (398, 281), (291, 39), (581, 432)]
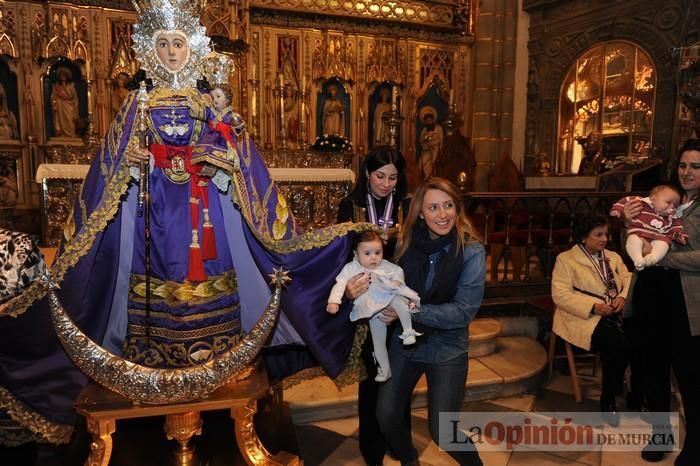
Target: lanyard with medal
[(385, 222), (602, 267)]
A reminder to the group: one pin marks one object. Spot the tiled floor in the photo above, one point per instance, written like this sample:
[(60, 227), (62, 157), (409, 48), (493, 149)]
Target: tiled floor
[(335, 442)]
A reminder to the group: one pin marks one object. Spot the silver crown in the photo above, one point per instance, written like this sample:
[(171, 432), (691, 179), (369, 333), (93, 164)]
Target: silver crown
[(217, 68)]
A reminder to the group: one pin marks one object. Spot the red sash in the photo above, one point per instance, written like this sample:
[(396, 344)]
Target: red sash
[(178, 159)]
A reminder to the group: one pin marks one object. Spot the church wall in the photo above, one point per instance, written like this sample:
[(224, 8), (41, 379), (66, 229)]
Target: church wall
[(560, 30), (495, 86)]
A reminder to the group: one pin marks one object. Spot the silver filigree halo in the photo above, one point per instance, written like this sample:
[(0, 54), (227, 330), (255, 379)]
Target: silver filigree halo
[(180, 16)]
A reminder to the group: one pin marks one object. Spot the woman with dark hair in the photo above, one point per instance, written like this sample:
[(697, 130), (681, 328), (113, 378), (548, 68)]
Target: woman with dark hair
[(589, 287), (443, 260), (667, 303), (378, 197)]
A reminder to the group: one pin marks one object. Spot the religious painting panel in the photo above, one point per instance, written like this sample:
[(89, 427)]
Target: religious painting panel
[(333, 109), (9, 103), (431, 111), (122, 64), (379, 104), (288, 69), (65, 100)]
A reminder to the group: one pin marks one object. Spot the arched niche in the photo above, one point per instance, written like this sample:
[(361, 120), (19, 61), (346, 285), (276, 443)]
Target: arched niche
[(609, 90), (333, 102), (65, 99), (9, 101)]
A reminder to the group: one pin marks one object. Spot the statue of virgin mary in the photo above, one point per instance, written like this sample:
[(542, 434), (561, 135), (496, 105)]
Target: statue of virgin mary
[(218, 226)]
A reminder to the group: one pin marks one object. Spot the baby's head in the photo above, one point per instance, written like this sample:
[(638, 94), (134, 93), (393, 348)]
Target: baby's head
[(369, 249), (221, 95), (665, 198)]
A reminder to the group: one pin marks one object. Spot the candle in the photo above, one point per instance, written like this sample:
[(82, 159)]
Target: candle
[(452, 96), (394, 95), (303, 83), (281, 81)]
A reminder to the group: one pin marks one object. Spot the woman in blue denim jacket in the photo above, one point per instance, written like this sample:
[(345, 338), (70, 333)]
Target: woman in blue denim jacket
[(443, 260)]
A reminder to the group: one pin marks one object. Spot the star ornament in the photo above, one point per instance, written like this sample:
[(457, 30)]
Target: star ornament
[(279, 277), (48, 281)]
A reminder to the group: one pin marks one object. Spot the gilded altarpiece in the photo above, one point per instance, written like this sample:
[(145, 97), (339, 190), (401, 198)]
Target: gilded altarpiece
[(288, 54)]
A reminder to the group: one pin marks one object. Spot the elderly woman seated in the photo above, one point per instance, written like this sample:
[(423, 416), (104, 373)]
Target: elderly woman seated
[(589, 286)]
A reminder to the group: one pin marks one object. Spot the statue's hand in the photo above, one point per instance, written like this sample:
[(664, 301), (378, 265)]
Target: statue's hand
[(207, 171), (137, 156), (197, 109)]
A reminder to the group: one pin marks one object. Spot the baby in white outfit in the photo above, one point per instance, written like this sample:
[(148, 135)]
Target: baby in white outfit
[(387, 290)]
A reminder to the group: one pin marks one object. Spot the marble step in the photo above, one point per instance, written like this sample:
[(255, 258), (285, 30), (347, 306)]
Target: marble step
[(514, 368), (483, 334)]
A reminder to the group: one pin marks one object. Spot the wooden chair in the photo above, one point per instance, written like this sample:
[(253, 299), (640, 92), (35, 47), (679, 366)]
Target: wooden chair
[(577, 378)]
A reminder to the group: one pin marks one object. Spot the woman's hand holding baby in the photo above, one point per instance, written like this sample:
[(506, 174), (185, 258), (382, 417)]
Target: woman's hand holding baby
[(631, 210), (357, 285)]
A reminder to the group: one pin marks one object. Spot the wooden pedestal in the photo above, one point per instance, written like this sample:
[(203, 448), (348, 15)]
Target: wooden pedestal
[(102, 408)]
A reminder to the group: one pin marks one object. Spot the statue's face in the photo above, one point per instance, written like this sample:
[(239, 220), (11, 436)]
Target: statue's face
[(219, 97), (172, 50)]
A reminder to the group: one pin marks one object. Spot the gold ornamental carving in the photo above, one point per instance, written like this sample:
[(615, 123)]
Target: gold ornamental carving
[(163, 386), (405, 11), (182, 427), (101, 445), (254, 452)]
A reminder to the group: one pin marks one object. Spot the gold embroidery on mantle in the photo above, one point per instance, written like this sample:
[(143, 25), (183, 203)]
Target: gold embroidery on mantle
[(53, 432), (350, 373), (178, 354), (178, 293)]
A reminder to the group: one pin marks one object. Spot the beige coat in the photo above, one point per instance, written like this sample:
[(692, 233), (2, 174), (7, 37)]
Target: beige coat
[(573, 319)]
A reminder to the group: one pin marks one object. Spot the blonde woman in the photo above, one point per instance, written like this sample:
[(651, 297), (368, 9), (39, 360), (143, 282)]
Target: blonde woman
[(443, 260)]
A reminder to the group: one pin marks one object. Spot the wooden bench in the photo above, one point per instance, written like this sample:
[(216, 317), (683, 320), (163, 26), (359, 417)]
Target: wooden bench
[(102, 408)]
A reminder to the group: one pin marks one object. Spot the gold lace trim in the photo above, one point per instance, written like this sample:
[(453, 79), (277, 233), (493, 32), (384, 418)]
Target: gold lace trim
[(188, 318), (53, 432), (12, 434), (349, 375), (174, 293), (140, 330)]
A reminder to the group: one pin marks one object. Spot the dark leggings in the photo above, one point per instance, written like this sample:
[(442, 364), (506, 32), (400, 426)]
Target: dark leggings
[(372, 443)]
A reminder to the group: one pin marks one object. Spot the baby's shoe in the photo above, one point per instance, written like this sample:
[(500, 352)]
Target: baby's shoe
[(639, 265), (382, 375), (409, 337)]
